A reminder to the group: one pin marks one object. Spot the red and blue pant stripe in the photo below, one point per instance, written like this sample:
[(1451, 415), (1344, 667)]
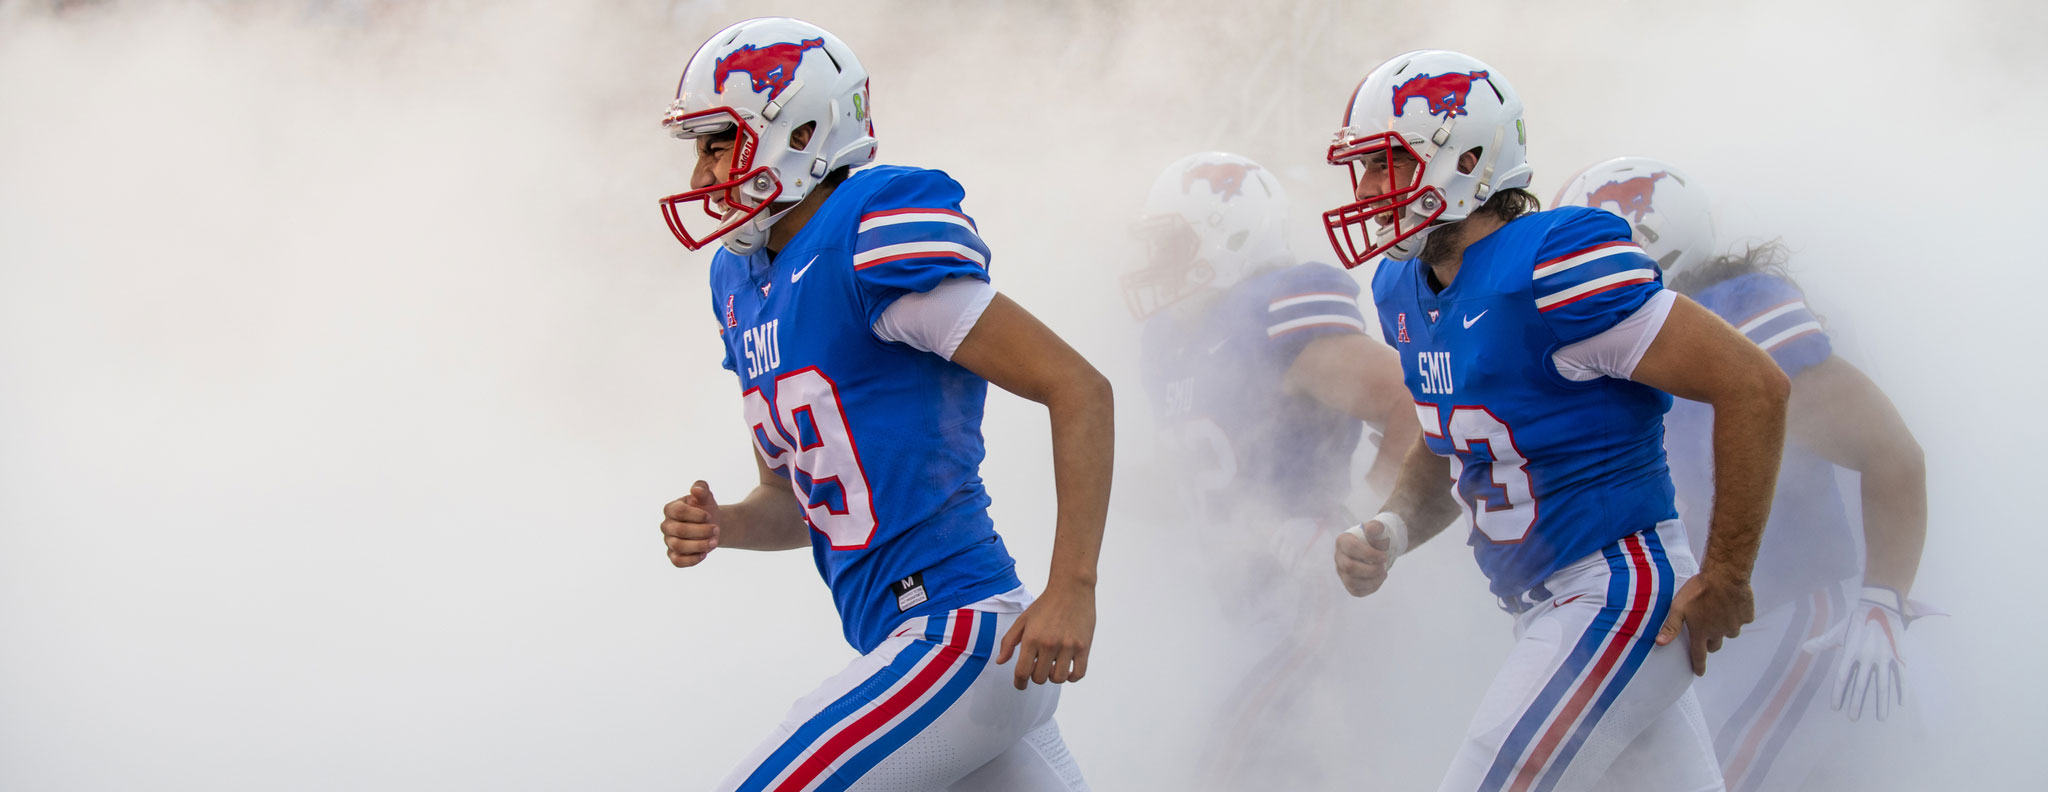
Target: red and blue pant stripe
[(858, 730), (1606, 656)]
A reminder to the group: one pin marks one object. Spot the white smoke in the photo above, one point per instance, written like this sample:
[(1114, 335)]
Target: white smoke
[(344, 362)]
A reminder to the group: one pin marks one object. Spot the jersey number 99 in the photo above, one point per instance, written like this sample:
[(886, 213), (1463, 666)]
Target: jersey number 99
[(804, 434)]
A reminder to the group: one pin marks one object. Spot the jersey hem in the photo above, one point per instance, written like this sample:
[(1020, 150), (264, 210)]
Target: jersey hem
[(962, 597)]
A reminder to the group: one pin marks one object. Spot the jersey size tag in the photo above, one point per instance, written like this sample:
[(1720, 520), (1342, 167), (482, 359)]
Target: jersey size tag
[(909, 592)]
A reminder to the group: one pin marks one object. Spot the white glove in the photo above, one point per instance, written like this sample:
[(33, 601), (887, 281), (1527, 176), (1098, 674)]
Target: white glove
[(1871, 674)]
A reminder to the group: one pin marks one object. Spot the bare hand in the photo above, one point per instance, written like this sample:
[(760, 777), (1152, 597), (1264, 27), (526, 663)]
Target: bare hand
[(689, 526), (1711, 609), (1363, 563), (1051, 638)]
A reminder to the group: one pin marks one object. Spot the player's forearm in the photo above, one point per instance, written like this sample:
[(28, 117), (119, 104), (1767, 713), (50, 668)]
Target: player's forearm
[(1894, 520), (1361, 378), (768, 519), (1749, 439), (1838, 413), (1420, 496), (1398, 435), (1385, 472), (1082, 410)]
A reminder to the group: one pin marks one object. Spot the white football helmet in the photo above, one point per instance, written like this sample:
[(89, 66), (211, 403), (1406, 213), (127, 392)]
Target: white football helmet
[(1666, 207), (763, 79), (1432, 106), (1210, 220)]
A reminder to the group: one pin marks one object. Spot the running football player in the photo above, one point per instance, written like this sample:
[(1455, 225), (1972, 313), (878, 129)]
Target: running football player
[(1262, 378), (867, 425), (1811, 649), (1542, 351)]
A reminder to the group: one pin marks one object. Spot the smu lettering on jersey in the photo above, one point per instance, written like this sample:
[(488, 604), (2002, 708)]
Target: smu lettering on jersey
[(1547, 470), (1809, 542), (1217, 382), (881, 442)]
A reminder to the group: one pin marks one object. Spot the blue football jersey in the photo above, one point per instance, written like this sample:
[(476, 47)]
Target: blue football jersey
[(1547, 470), (881, 442), (1217, 386), (1810, 540)]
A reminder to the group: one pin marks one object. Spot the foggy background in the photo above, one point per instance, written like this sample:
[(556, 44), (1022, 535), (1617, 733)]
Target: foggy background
[(345, 363)]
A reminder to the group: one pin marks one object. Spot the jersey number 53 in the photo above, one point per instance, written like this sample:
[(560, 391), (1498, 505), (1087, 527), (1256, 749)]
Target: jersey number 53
[(1494, 490), (804, 435)]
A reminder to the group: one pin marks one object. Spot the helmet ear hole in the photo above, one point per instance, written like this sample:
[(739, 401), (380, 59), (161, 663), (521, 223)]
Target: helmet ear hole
[(1236, 240), (1668, 260), (1470, 159), (800, 137)]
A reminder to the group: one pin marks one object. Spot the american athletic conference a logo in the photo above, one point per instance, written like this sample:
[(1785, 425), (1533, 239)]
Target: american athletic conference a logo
[(1445, 93), (771, 68)]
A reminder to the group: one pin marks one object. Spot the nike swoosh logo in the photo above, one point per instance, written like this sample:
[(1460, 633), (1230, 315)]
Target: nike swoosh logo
[(1567, 600), (1219, 346), (1469, 320), (799, 274)]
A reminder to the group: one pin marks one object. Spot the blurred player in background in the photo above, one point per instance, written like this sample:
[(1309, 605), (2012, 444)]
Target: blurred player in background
[(1261, 376), (868, 429), (1831, 623), (1542, 351)]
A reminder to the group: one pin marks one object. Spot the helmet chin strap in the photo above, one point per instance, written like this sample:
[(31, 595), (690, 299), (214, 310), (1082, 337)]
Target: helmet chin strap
[(750, 236), (1408, 248), (1486, 160)]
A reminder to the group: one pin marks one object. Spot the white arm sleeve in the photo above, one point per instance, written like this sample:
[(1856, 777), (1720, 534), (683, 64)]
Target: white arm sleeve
[(1616, 352), (938, 320)]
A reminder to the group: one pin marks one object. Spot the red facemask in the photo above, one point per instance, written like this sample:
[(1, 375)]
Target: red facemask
[(1352, 227), (1173, 269), (723, 202)]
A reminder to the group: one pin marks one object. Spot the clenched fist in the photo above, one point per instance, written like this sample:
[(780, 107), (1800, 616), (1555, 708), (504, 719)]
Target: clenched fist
[(689, 526), (1362, 563)]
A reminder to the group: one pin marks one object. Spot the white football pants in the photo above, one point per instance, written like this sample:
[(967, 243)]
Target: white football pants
[(927, 710), (1586, 699)]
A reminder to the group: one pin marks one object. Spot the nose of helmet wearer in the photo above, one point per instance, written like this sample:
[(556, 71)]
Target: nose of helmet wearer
[(1376, 183), (1372, 180), (714, 161), (1384, 173)]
